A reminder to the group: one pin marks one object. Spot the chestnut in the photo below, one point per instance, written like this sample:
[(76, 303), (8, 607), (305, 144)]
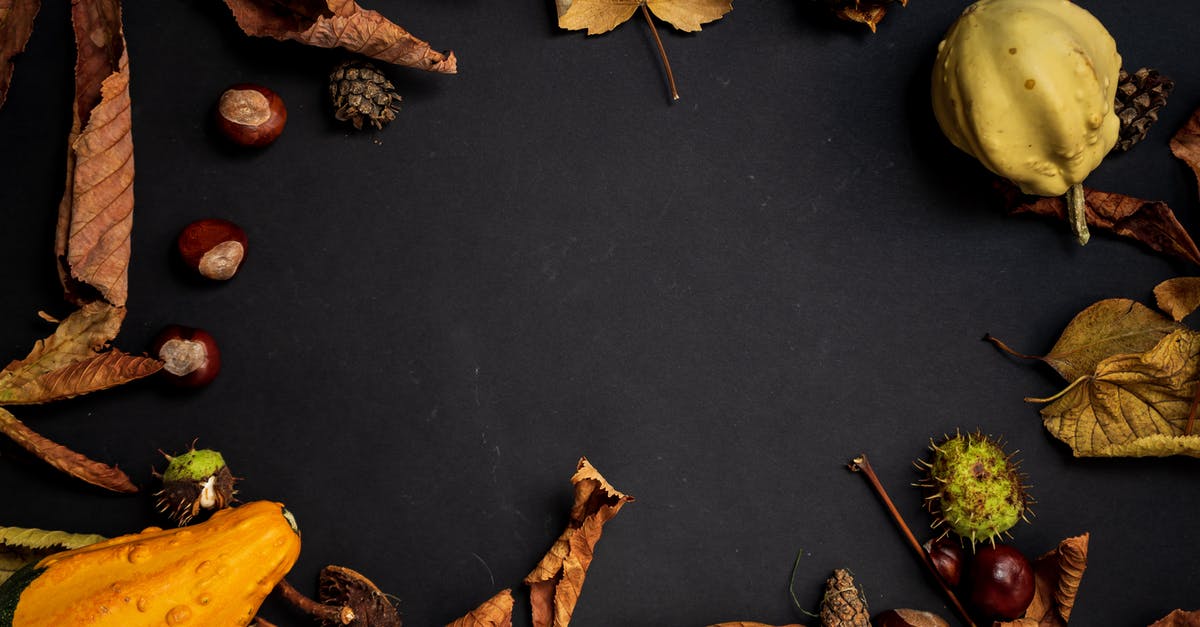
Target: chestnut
[(213, 247), (1000, 582), (251, 115), (909, 618), (190, 356), (947, 558)]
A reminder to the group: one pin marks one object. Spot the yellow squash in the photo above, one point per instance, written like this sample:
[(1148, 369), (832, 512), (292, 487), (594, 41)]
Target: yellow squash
[(216, 573), (1027, 87)]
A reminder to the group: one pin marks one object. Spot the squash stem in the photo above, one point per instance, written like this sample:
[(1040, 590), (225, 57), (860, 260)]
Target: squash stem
[(1077, 214), (330, 614)]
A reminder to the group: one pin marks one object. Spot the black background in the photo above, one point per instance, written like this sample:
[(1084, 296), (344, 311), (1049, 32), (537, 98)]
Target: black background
[(718, 301)]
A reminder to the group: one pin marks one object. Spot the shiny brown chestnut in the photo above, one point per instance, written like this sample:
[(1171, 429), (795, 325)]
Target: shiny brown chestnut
[(947, 557), (190, 356), (909, 618), (1000, 582), (213, 247), (251, 115)]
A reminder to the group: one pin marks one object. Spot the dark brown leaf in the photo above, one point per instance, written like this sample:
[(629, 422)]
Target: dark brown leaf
[(339, 24), (557, 580), (1150, 222), (101, 372), (95, 216), (16, 24), (1179, 618), (1186, 143), (1057, 575), (63, 458)]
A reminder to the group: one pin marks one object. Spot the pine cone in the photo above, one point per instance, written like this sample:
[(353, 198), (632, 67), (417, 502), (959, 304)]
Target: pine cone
[(360, 92), (868, 12), (844, 604), (1139, 97)]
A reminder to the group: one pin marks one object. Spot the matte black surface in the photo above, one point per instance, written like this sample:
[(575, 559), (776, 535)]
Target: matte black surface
[(719, 302)]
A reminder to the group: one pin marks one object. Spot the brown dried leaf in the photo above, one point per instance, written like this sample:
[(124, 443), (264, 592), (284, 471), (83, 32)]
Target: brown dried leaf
[(101, 372), (63, 458), (601, 16), (1186, 143), (80, 337), (739, 623), (16, 24), (1179, 618), (339, 23), (1178, 297), (95, 217), (556, 582), (1057, 575), (495, 612), (1110, 327), (1134, 405), (1149, 222)]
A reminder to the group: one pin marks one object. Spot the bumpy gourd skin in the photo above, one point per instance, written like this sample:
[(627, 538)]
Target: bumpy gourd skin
[(213, 574), (1027, 87)]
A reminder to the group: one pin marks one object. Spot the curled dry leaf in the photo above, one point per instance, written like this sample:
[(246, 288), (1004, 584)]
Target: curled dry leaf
[(63, 458), (339, 24), (20, 546), (1186, 143), (1133, 405), (16, 24), (601, 16), (869, 12), (556, 582), (1057, 578), (1179, 618), (495, 612), (1150, 222), (1178, 297), (95, 216)]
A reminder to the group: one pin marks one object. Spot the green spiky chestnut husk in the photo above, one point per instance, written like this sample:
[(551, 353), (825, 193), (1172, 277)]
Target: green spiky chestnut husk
[(975, 489), (193, 482)]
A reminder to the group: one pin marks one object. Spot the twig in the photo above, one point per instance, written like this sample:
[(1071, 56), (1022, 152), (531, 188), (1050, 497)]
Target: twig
[(861, 464)]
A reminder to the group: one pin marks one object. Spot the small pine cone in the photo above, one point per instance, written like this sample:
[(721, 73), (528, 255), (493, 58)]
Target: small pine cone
[(360, 92), (844, 604), (869, 12), (1139, 97)]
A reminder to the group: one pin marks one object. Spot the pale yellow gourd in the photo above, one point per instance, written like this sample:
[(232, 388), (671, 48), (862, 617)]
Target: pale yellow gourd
[(1027, 88)]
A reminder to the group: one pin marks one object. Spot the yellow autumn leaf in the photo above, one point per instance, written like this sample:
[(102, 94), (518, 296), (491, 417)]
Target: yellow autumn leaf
[(601, 16), (1134, 404)]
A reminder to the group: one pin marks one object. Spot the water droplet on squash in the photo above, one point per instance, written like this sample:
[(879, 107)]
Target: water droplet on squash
[(179, 615)]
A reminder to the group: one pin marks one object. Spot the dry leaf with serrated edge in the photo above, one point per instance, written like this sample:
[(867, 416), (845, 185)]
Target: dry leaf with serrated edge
[(101, 372), (1134, 405), (1150, 222), (1057, 576), (601, 16), (16, 24), (95, 216), (1178, 297), (1179, 618), (495, 612), (555, 584), (1185, 144), (21, 545), (63, 458), (339, 24)]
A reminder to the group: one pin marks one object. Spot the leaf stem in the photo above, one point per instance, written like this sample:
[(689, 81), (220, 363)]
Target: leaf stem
[(1050, 399), (662, 52), (861, 464), (336, 615), (1005, 348), (1077, 213)]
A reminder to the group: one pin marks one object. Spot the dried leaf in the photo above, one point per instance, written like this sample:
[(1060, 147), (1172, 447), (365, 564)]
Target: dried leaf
[(63, 458), (1110, 327), (1134, 405), (495, 612), (1186, 143), (1178, 297), (601, 16), (20, 546), (1057, 575), (751, 624), (16, 24), (869, 12), (1149, 222), (79, 338), (339, 23), (95, 216), (1179, 618), (557, 580), (101, 372)]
